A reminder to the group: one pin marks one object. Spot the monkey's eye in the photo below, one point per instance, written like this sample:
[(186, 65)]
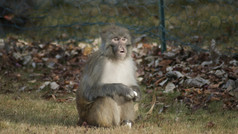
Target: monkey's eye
[(124, 39), (115, 40)]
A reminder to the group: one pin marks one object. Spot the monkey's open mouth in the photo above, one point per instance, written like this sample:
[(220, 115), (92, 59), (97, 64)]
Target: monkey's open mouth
[(122, 51)]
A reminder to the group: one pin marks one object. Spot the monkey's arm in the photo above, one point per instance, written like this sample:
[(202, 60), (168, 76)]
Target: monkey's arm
[(112, 89), (137, 90)]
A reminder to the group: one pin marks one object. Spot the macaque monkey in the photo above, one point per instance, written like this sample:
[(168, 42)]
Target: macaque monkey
[(108, 87)]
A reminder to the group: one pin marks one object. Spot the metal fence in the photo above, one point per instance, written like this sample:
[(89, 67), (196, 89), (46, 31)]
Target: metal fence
[(178, 22)]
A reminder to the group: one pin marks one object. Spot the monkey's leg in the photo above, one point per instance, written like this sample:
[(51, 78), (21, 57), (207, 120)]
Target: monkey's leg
[(128, 112), (105, 112)]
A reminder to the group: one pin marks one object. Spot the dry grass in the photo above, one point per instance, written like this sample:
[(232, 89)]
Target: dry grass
[(28, 113)]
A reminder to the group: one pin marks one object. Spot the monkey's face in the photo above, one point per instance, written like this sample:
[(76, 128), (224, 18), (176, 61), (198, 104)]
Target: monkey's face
[(119, 47), (116, 42)]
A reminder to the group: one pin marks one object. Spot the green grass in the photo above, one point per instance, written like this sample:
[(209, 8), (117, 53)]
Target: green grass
[(207, 21), (28, 112), (195, 22)]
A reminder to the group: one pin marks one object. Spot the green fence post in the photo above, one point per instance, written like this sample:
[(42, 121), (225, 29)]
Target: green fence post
[(162, 25)]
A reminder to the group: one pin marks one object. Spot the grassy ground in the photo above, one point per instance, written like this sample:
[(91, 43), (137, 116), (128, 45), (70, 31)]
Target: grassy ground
[(28, 112), (196, 22)]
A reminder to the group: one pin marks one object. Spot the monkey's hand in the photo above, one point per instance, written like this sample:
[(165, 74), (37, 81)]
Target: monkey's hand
[(130, 93), (127, 92), (137, 93)]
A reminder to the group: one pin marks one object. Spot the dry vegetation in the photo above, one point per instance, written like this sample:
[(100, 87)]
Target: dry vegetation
[(29, 113), (28, 105)]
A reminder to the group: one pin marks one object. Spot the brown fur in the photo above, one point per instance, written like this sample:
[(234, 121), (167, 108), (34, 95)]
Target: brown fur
[(106, 112)]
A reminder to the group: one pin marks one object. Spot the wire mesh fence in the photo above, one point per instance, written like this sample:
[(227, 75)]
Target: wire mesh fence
[(186, 22)]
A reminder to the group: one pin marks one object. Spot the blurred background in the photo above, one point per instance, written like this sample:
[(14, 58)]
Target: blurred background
[(191, 23), (44, 45)]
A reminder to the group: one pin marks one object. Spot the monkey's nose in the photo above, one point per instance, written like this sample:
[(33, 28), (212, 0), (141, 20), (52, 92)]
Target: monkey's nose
[(121, 49)]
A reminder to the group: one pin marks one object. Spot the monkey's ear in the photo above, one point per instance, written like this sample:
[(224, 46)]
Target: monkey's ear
[(136, 40)]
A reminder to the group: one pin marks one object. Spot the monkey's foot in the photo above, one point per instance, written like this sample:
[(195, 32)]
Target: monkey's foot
[(127, 123)]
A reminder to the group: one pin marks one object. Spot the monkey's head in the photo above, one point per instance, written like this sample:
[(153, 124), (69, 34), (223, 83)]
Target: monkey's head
[(116, 42)]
